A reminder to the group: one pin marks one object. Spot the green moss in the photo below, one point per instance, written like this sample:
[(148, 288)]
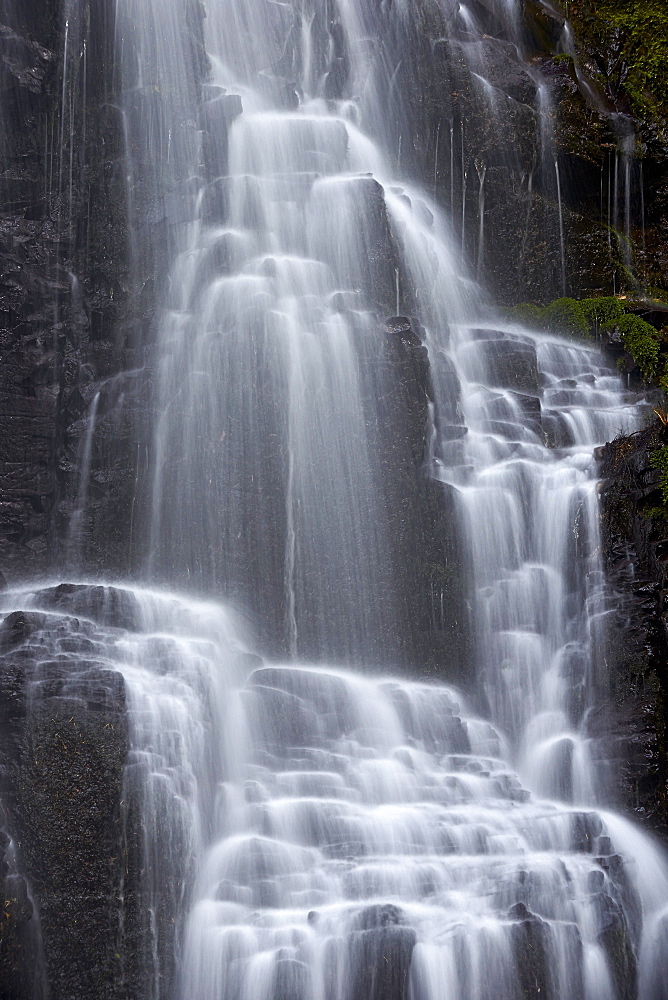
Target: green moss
[(642, 342), (565, 316), (591, 317), (629, 41), (527, 313), (571, 317)]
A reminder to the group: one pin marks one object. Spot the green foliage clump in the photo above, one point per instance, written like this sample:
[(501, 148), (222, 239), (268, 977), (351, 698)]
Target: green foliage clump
[(571, 317), (565, 316), (659, 460), (603, 313), (528, 314), (642, 342)]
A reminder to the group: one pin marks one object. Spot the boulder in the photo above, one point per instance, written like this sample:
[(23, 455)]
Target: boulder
[(379, 954)]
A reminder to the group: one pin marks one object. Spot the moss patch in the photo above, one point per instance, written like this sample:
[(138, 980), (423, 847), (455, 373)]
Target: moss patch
[(572, 317), (628, 41)]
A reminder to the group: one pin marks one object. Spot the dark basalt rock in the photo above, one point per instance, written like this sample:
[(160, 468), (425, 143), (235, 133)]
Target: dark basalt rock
[(531, 945), (21, 968), (613, 935), (379, 954), (379, 915), (372, 263), (62, 774), (429, 565), (291, 980), (631, 729), (585, 828), (282, 721), (216, 119)]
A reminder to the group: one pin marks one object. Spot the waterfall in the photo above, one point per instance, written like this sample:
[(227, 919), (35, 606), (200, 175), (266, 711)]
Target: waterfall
[(315, 826)]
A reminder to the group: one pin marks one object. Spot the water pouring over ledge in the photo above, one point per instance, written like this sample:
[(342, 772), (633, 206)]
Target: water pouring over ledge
[(345, 818), (339, 835)]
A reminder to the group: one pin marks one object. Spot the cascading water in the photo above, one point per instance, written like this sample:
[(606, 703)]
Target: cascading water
[(316, 833)]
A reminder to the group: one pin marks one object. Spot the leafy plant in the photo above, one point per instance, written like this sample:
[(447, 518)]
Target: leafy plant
[(589, 317), (602, 313), (565, 316), (527, 313)]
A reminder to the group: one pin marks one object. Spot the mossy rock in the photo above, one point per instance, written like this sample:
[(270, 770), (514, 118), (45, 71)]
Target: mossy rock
[(625, 43)]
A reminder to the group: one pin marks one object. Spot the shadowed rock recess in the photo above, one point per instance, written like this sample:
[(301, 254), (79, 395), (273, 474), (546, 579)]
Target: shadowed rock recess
[(367, 633)]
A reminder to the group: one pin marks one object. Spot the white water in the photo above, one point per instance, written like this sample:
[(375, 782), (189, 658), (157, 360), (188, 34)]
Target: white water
[(339, 836), (375, 817), (325, 834)]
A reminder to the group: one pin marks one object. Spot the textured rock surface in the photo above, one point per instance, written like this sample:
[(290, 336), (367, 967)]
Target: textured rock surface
[(63, 758), (635, 538), (75, 317), (62, 250)]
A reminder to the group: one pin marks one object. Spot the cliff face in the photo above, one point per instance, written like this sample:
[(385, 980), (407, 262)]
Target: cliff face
[(79, 267), (63, 259), (560, 150), (64, 750)]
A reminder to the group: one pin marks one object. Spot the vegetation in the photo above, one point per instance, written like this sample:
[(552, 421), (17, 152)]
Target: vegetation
[(593, 317), (564, 316), (574, 317), (642, 342), (626, 44), (602, 313), (659, 461)]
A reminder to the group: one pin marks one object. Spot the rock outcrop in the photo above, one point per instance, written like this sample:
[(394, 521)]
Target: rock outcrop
[(64, 748)]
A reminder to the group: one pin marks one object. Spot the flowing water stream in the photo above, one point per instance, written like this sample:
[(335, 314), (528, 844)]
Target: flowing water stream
[(328, 833)]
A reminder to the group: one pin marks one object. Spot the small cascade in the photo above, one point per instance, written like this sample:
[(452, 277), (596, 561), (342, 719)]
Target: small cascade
[(181, 665), (338, 836), (381, 846)]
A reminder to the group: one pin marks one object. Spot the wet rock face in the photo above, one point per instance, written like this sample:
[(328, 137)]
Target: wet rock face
[(52, 305), (380, 960), (635, 539), (422, 517), (21, 969), (108, 606), (63, 757), (75, 318), (530, 939)]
